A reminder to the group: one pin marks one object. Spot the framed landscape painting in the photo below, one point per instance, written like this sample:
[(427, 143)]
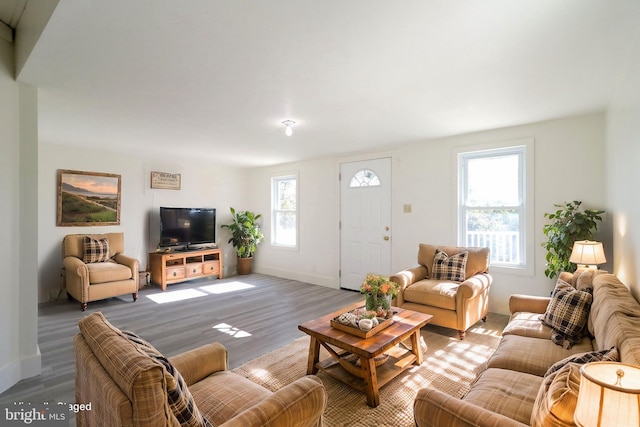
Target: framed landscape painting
[(88, 198)]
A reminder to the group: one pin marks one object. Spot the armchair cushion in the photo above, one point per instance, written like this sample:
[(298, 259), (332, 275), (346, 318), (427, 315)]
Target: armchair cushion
[(95, 250), (434, 293), (103, 272), (447, 267)]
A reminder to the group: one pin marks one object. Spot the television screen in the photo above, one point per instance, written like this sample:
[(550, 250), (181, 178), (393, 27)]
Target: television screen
[(185, 226)]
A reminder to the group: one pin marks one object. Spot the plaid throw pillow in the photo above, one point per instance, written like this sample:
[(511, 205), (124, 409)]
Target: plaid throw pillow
[(610, 355), (95, 250), (567, 314), (447, 267), (179, 397)]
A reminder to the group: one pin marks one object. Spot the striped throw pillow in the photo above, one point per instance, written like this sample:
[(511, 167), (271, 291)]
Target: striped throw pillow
[(95, 250), (179, 397), (447, 267)]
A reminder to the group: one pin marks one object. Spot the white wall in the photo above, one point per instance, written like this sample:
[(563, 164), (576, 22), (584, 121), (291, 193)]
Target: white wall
[(203, 185), (314, 260), (623, 173), (569, 165), (19, 354)]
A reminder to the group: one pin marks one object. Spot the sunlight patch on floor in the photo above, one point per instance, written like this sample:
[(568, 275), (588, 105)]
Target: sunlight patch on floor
[(225, 328), (174, 296), (223, 288)]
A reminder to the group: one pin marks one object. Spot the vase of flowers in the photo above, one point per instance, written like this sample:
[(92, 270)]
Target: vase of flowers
[(379, 291)]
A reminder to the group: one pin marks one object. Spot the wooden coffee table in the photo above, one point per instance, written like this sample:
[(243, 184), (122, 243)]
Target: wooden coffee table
[(343, 346)]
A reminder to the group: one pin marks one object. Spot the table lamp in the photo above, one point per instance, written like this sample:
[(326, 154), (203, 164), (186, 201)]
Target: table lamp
[(609, 395), (587, 254)]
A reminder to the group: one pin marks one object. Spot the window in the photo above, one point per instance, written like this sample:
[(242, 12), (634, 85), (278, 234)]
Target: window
[(364, 178), (494, 210), (284, 207)]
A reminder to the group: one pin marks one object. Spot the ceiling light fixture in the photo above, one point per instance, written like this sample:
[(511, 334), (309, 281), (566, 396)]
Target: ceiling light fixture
[(288, 127)]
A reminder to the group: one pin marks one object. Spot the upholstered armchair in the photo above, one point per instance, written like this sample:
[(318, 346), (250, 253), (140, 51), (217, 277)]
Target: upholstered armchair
[(129, 383), (95, 267), (448, 284)]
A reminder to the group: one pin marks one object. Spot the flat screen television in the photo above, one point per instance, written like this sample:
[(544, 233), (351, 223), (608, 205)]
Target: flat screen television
[(187, 226)]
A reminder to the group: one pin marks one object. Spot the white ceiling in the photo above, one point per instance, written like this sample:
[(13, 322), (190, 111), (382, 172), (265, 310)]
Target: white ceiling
[(213, 78)]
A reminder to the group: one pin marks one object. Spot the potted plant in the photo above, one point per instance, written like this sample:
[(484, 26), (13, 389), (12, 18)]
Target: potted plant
[(568, 225), (379, 291), (245, 237)]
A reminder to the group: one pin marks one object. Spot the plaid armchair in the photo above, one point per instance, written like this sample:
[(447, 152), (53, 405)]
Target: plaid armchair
[(450, 282), (95, 267), (129, 383)]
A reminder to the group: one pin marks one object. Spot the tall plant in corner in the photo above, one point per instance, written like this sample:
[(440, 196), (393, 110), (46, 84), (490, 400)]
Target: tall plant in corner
[(245, 232), (568, 224)]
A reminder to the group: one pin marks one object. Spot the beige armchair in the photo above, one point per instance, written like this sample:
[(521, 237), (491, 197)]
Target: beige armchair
[(98, 271), (453, 304), (129, 383)]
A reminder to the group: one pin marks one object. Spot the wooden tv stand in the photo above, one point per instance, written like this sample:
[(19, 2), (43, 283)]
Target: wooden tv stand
[(176, 267)]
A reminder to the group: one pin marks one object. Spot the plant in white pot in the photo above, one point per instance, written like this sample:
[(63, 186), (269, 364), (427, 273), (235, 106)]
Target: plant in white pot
[(245, 237)]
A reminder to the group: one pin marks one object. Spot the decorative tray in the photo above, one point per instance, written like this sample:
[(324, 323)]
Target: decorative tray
[(354, 330)]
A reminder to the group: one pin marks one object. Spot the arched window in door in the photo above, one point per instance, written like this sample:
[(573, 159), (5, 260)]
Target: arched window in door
[(364, 178)]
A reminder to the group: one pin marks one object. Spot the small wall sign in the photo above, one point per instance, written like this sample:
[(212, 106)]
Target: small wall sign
[(165, 180)]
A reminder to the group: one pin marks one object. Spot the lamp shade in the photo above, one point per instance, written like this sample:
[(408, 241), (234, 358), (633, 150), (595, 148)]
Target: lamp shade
[(586, 252), (609, 395)]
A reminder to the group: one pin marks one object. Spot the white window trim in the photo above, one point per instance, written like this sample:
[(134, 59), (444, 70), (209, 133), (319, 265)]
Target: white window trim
[(274, 178), (528, 269)]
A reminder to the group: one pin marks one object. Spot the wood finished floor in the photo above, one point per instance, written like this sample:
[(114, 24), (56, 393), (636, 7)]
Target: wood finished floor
[(250, 315)]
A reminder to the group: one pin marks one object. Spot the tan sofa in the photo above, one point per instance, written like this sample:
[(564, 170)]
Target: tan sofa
[(87, 282), (128, 383), (513, 389), (455, 305)]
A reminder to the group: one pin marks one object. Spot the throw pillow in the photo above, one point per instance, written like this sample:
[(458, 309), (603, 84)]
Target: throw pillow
[(610, 355), (447, 267), (95, 250), (179, 397), (567, 314), (557, 398)]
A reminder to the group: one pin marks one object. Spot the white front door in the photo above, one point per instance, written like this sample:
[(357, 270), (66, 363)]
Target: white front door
[(365, 220)]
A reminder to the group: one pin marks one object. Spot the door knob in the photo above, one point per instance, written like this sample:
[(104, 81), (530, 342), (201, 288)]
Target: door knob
[(386, 237)]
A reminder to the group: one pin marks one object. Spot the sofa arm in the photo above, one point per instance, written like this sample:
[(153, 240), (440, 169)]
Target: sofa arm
[(299, 404), (528, 304), (197, 364), (433, 408)]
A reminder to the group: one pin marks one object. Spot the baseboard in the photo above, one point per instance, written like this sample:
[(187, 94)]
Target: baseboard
[(314, 279), (19, 370)]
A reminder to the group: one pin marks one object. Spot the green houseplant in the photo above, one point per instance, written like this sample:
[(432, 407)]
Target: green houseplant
[(245, 237), (568, 224)]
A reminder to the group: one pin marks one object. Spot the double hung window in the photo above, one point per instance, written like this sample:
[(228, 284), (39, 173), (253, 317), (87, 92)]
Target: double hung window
[(493, 204), (284, 206)]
